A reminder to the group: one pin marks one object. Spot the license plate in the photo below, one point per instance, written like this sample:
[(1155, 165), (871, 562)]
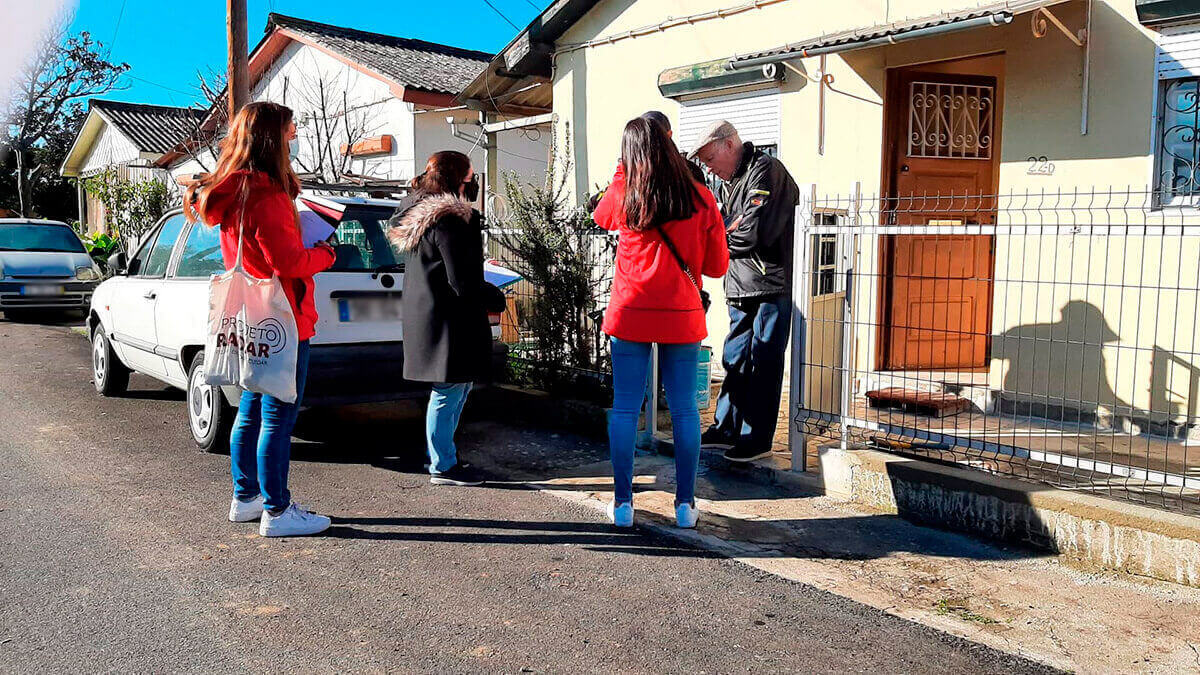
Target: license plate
[(353, 310), (41, 290)]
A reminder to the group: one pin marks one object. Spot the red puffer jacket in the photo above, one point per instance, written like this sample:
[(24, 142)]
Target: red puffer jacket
[(652, 299), (272, 245)]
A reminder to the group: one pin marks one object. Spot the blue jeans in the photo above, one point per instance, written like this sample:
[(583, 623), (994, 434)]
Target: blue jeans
[(748, 407), (631, 365), (446, 403), (260, 447)]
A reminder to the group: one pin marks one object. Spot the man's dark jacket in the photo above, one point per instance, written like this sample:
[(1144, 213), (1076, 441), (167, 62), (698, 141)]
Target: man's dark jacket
[(763, 195)]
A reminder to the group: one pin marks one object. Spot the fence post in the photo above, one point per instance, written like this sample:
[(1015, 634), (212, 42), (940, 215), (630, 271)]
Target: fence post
[(801, 268), (847, 253)]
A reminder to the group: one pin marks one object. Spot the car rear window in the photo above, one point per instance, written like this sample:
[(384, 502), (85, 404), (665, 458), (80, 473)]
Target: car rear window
[(362, 243), (38, 237)]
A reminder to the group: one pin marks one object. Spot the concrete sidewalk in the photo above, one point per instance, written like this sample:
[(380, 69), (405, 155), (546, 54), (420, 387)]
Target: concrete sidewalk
[(1020, 601)]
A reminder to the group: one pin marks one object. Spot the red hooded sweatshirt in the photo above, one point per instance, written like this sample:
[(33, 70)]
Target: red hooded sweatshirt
[(272, 245), (652, 299)]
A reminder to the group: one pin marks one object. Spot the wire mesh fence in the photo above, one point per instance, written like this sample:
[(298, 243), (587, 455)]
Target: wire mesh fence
[(580, 360), (1048, 336)]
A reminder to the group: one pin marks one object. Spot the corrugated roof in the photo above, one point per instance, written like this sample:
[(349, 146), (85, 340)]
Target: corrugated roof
[(867, 33), (152, 128), (412, 63)]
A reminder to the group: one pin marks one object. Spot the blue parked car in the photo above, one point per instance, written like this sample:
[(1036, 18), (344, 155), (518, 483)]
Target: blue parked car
[(43, 266)]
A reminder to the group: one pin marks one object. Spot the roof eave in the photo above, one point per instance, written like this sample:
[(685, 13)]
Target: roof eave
[(90, 128)]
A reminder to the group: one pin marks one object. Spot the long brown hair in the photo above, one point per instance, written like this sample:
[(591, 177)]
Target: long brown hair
[(255, 142), (658, 185), (445, 173)]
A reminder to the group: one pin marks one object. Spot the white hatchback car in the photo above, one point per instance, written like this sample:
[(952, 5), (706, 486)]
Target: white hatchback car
[(152, 317)]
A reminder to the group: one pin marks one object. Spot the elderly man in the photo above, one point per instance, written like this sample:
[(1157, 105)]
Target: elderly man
[(758, 200)]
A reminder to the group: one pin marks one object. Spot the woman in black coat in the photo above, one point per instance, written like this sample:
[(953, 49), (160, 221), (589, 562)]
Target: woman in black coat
[(447, 337)]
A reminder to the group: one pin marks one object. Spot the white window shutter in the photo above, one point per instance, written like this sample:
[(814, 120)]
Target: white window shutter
[(1178, 53), (754, 114)]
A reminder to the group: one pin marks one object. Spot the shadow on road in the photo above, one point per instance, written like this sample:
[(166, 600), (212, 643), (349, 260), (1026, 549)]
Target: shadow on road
[(43, 318), (592, 536)]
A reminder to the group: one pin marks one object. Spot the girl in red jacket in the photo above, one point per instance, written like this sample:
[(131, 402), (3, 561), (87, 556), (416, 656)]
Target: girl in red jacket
[(253, 191), (671, 232)]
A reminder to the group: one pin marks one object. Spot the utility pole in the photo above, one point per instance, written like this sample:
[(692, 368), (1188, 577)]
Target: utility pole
[(239, 72)]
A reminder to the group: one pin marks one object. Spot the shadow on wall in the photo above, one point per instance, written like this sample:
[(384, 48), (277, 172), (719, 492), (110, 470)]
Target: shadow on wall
[(1060, 371)]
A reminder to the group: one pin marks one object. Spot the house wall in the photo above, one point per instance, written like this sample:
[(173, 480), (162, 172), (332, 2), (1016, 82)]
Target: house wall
[(296, 79), (598, 88), (307, 80), (112, 149), (524, 152)]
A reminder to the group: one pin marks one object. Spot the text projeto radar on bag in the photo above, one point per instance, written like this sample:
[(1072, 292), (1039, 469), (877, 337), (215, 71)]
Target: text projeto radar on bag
[(258, 341)]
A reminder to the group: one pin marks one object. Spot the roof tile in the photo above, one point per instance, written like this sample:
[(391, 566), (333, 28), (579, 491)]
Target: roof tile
[(413, 63)]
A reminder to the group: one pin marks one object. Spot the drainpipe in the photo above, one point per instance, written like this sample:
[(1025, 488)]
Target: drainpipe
[(994, 19)]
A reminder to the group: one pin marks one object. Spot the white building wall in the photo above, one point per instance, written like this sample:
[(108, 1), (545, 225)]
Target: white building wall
[(521, 151), (417, 131), (302, 77), (111, 148)]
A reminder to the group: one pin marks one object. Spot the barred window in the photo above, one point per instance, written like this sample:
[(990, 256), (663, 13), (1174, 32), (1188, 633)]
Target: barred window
[(1178, 142)]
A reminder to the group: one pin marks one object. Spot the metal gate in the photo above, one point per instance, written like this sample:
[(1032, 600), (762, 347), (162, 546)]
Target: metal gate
[(1091, 375)]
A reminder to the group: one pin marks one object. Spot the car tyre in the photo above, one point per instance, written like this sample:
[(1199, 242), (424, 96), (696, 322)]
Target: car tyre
[(110, 376), (210, 418)]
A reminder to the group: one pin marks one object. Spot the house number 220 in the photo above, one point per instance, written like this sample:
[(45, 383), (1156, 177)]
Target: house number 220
[(1040, 166)]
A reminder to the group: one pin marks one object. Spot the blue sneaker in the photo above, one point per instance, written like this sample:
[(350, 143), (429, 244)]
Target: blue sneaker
[(686, 515), (621, 516)]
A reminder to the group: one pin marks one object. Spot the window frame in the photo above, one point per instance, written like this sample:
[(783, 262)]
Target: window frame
[(1158, 145), (1157, 129), (150, 243), (151, 237), (352, 213), (177, 254)]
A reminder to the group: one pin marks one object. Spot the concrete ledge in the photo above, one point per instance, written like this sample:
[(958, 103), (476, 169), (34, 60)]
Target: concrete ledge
[(1091, 530)]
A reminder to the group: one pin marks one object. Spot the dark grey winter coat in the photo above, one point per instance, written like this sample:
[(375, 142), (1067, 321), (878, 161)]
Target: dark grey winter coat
[(447, 337), (763, 196)]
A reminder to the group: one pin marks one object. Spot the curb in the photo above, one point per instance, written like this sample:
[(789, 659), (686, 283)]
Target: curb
[(770, 562)]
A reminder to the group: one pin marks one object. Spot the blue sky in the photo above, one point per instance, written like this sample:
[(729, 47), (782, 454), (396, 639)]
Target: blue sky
[(166, 41)]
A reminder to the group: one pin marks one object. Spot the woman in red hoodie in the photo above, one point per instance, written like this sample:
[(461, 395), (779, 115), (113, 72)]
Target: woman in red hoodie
[(671, 233), (253, 192)]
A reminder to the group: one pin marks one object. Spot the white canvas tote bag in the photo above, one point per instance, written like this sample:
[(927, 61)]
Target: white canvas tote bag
[(252, 337)]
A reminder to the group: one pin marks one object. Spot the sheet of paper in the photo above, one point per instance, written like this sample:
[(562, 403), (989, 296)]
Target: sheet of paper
[(313, 228)]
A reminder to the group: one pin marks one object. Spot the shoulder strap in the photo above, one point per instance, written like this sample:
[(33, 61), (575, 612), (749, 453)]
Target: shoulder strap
[(237, 265), (679, 259)]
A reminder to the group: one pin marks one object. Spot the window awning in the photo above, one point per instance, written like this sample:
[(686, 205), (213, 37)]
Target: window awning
[(1156, 13), (995, 14)]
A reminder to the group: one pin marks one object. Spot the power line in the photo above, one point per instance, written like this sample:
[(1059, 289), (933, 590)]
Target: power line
[(116, 28), (162, 86), (530, 3), (497, 11)]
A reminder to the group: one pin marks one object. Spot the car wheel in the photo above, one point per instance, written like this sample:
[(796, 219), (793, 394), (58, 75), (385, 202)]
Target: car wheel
[(110, 376), (209, 416)]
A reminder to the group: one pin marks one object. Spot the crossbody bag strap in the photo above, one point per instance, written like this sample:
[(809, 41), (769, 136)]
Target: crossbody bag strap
[(679, 259)]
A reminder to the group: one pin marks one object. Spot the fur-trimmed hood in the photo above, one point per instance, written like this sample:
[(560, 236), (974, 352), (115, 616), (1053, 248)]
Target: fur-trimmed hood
[(418, 213)]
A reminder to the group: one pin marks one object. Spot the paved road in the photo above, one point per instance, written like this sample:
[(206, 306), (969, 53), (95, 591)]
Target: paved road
[(115, 555)]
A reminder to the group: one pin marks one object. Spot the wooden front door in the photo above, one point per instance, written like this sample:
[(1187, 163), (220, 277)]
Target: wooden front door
[(941, 172)]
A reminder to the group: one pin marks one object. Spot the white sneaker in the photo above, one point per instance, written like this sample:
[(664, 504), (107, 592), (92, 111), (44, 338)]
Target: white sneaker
[(244, 512), (686, 516), (295, 521), (621, 516)]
